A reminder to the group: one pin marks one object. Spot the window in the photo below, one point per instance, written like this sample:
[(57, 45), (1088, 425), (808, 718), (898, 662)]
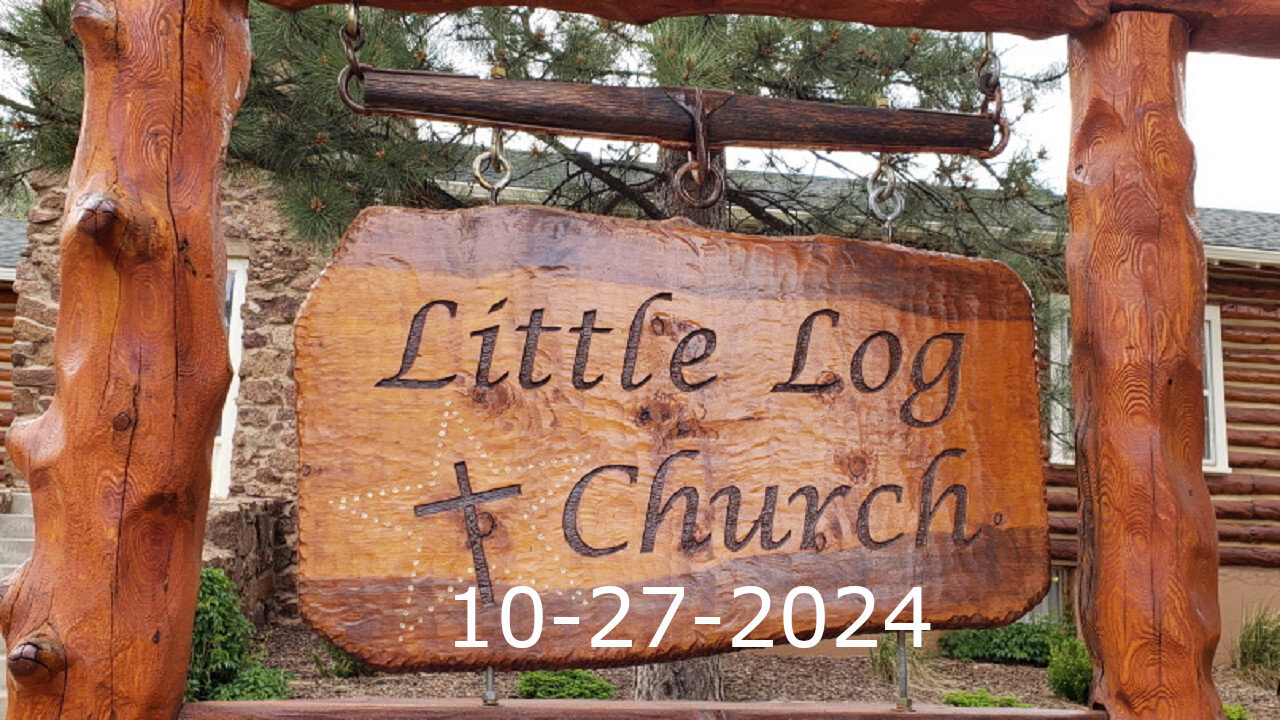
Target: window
[(1061, 435), (237, 276)]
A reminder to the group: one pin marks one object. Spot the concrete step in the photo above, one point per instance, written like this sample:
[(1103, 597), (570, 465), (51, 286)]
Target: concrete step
[(5, 571), (21, 503), (13, 551), (17, 526)]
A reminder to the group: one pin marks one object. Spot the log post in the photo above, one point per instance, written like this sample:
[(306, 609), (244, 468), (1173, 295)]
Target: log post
[(98, 621), (1136, 273)]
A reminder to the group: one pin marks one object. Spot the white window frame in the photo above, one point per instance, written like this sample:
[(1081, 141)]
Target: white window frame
[(1062, 454), (238, 271)]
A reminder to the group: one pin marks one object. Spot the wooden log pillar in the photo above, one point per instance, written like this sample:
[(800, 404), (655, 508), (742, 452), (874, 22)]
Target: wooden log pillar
[(98, 621), (1136, 272)]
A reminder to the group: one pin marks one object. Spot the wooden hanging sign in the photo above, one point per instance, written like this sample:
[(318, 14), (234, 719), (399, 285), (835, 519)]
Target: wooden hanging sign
[(531, 438)]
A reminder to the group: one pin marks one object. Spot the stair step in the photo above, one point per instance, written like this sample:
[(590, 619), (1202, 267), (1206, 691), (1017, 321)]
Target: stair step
[(5, 571), (13, 551), (21, 503), (17, 526)]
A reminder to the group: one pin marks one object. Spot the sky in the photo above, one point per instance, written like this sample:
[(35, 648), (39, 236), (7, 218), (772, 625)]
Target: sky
[(1233, 118)]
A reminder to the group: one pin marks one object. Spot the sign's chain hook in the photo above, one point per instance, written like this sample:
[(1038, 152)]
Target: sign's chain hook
[(353, 36), (988, 77), (494, 160), (884, 198)]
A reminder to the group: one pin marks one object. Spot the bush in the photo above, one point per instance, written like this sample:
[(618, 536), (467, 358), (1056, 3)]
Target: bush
[(575, 684), (1070, 673), (1257, 651), (336, 663), (1235, 712), (980, 698), (1023, 643), (255, 683), (224, 665)]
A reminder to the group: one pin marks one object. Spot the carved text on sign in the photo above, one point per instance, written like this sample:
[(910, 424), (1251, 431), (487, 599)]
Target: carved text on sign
[(549, 404)]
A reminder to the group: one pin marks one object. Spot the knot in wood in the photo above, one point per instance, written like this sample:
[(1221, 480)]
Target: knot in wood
[(36, 660), (122, 422)]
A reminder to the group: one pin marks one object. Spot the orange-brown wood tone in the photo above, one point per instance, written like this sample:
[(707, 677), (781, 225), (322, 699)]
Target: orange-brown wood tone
[(1247, 27), (1135, 269), (98, 621), (507, 397)]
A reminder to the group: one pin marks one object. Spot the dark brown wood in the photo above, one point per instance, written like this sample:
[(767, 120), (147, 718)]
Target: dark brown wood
[(1136, 274), (1252, 460), (1247, 311), (454, 709), (119, 464), (1253, 375), (1247, 27), (382, 440), (1253, 415), (1238, 483), (1254, 509), (649, 114)]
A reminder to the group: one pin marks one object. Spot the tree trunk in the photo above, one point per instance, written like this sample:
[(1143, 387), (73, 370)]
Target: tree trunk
[(700, 678), (98, 621), (1136, 273)]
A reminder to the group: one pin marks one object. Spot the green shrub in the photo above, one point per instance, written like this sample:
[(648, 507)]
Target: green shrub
[(255, 683), (980, 698), (336, 663), (1257, 651), (1023, 643), (224, 664), (577, 684), (1235, 712), (1070, 673)]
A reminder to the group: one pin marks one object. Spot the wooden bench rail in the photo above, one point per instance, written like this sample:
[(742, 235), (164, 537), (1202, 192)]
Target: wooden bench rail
[(427, 709), (1244, 27)]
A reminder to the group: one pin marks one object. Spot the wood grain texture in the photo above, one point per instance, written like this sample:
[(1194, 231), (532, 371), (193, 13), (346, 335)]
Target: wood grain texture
[(1030, 18), (452, 709), (1246, 27), (1136, 273), (119, 463), (651, 115), (754, 450)]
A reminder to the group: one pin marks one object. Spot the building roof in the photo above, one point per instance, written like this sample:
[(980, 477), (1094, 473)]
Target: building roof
[(1241, 229), (13, 240)]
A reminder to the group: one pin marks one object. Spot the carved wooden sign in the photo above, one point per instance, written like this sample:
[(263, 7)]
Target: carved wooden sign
[(531, 438)]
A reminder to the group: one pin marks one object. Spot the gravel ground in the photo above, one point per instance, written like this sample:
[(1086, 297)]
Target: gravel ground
[(747, 676)]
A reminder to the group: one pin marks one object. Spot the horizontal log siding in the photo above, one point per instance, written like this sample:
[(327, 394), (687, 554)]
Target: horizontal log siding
[(1247, 500)]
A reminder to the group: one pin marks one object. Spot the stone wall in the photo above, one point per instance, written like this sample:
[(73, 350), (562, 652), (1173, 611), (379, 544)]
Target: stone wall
[(253, 534)]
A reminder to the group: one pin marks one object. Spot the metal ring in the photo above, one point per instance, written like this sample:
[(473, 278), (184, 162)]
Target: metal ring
[(498, 164), (713, 175), (345, 77)]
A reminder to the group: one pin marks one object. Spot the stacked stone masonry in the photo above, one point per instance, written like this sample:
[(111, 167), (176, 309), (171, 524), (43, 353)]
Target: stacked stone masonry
[(253, 533)]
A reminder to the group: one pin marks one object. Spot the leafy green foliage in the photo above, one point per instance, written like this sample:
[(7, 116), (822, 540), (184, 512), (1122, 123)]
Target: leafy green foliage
[(334, 662), (573, 684), (1257, 651), (255, 682), (1235, 712), (1021, 643), (1070, 672), (224, 664), (980, 698)]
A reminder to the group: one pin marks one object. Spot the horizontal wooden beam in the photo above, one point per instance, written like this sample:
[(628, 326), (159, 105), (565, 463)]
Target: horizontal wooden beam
[(652, 114), (1245, 27), (442, 709)]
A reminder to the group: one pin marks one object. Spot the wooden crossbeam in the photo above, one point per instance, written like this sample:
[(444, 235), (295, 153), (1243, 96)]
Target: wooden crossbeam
[(471, 709), (1244, 27), (652, 115)]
